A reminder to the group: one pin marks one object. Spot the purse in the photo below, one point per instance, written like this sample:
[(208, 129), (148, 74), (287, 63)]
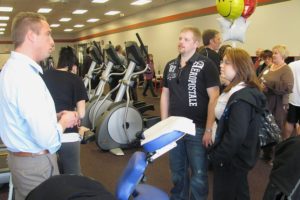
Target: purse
[(269, 132)]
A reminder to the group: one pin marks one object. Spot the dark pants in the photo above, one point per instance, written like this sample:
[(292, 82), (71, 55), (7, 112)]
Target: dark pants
[(189, 154), (149, 84), (273, 193), (132, 90), (69, 158), (230, 183), (113, 82)]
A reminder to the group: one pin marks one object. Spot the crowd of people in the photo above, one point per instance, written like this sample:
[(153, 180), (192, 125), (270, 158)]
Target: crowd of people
[(207, 84)]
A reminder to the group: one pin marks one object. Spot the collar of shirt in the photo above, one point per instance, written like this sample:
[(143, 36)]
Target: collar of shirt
[(194, 58), (26, 59)]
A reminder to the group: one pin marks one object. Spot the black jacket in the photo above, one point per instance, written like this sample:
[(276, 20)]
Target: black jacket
[(237, 140), (285, 173)]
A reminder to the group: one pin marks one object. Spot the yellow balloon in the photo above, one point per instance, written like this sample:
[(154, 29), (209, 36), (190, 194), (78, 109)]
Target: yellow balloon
[(230, 9)]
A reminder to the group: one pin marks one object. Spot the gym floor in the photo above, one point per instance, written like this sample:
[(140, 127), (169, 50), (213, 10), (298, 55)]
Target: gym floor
[(106, 167)]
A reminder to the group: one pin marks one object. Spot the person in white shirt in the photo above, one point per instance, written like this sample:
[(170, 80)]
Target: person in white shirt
[(30, 127), (293, 115)]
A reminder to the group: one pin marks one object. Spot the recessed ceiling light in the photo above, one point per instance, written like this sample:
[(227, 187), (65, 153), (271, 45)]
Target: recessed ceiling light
[(92, 20), (79, 12), (54, 25), (4, 18), (112, 12), (6, 9), (141, 2), (3, 24), (79, 25), (68, 30), (2, 29), (99, 1), (65, 19), (44, 10), (1, 33)]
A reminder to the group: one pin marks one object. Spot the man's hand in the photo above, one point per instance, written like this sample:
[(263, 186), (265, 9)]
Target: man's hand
[(68, 119), (207, 139), (82, 129)]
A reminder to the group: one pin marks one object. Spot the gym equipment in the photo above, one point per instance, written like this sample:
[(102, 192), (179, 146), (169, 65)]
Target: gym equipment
[(97, 59), (118, 122), (5, 176), (117, 127), (99, 104)]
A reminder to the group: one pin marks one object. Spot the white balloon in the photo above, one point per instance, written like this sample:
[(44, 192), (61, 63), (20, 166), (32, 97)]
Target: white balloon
[(235, 30)]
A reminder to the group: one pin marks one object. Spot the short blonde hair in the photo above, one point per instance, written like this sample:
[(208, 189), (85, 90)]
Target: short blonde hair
[(282, 50), (23, 22), (196, 32)]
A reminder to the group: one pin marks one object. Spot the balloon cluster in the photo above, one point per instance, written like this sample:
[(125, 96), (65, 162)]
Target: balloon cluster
[(234, 14)]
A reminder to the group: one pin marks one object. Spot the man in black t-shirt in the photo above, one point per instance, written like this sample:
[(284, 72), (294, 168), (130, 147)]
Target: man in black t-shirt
[(190, 89), (212, 41)]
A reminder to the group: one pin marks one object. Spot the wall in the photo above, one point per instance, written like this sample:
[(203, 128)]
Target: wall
[(270, 24)]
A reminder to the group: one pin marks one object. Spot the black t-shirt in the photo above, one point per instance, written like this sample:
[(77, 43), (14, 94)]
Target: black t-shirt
[(66, 90), (211, 54), (187, 87)]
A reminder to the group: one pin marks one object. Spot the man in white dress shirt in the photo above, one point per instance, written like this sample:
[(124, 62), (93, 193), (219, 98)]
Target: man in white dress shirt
[(30, 127)]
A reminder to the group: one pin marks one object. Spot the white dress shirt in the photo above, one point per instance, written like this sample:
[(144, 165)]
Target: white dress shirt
[(28, 121), (294, 97)]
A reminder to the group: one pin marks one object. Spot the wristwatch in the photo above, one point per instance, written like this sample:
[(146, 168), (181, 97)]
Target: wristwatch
[(209, 130)]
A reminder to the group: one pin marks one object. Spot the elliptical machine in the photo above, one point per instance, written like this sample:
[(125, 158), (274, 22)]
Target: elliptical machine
[(97, 59), (99, 104), (118, 126)]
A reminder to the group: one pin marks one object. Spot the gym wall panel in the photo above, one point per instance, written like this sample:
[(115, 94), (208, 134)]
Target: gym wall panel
[(5, 50), (3, 58), (270, 24)]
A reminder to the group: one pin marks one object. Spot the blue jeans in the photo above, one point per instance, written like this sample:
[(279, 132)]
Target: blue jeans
[(189, 154)]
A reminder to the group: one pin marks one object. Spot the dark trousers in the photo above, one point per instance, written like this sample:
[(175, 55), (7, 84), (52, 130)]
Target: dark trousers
[(148, 84), (69, 158), (273, 193), (230, 183), (132, 90)]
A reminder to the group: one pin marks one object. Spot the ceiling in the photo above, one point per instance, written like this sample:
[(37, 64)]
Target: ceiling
[(64, 8)]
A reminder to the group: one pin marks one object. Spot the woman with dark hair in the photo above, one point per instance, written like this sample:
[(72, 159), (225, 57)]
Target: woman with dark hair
[(236, 145), (267, 57), (68, 93)]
